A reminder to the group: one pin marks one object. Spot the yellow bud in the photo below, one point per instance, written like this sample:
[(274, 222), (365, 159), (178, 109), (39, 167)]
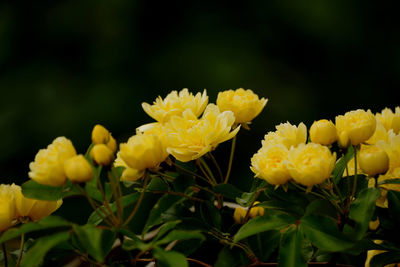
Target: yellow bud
[(344, 140), (44, 208), (323, 132), (7, 207), (100, 135), (112, 144), (101, 154), (239, 214), (78, 169), (256, 211), (373, 160), (373, 225)]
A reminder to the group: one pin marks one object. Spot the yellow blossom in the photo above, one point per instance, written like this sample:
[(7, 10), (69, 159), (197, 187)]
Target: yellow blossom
[(244, 104), (141, 152), (102, 154), (48, 167), (101, 135), (32, 208), (392, 148), (391, 175), (380, 134), (268, 164), (373, 225), (128, 174), (287, 134), (350, 168), (239, 214), (7, 207), (256, 211), (112, 144), (389, 119), (78, 169), (175, 104), (323, 132), (190, 137), (310, 164), (357, 125), (373, 160)]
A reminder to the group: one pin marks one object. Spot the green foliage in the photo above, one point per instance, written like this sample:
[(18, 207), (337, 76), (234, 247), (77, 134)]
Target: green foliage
[(290, 249)]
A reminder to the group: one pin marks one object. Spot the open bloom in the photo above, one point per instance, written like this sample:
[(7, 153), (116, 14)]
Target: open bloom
[(323, 132), (190, 137), (355, 127), (175, 104), (244, 104), (7, 207), (268, 164), (287, 134), (380, 134), (48, 167), (390, 119), (310, 164), (32, 208)]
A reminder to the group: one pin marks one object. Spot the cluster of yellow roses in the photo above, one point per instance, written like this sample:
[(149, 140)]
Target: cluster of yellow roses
[(285, 153), (14, 207)]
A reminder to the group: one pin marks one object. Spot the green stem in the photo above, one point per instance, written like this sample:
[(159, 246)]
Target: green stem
[(105, 201), (116, 196), (353, 192), (207, 168), (168, 177), (217, 166), (4, 254), (178, 194), (228, 173), (21, 249), (190, 172), (146, 176)]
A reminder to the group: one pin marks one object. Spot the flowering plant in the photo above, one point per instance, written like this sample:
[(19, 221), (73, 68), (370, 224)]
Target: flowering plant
[(162, 197)]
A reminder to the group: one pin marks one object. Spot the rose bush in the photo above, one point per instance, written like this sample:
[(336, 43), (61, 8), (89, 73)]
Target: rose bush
[(331, 196)]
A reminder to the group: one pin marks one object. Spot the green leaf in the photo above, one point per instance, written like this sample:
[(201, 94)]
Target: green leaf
[(282, 206), (163, 204), (35, 255), (97, 242), (394, 204), (390, 181), (32, 189), (290, 249), (133, 242), (169, 258), (270, 221), (45, 223), (228, 190), (246, 199), (127, 200), (166, 227), (321, 207), (385, 258), (323, 233), (226, 258), (340, 165), (211, 215), (264, 243), (361, 211), (180, 235)]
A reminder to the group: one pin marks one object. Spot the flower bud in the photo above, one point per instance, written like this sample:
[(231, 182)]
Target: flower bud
[(101, 154), (112, 144), (239, 214), (7, 207), (100, 135), (256, 211), (373, 160), (323, 132), (78, 169), (343, 140)]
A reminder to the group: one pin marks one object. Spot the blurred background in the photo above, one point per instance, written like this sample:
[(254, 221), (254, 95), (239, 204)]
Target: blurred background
[(67, 65)]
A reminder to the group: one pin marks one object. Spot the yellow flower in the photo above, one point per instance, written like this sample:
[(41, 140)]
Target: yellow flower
[(48, 167), (190, 137), (359, 125), (323, 132), (351, 169), (287, 134), (244, 104), (256, 211), (102, 154), (372, 253), (390, 175), (101, 135), (389, 119), (78, 169), (310, 164), (392, 148), (141, 152), (175, 104), (268, 164), (380, 134), (7, 207), (32, 208), (239, 214), (128, 174), (373, 225), (373, 160)]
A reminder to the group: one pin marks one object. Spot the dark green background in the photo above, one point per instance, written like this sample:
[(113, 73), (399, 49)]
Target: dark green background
[(66, 65)]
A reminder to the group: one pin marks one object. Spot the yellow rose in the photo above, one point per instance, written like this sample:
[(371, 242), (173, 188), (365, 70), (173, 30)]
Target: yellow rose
[(78, 169), (323, 132), (128, 173), (143, 151), (358, 125), (48, 167), (390, 175), (310, 164), (244, 104), (380, 134), (101, 135), (373, 160), (239, 214), (7, 207), (175, 104), (256, 211), (268, 164), (287, 134), (392, 148), (190, 137), (102, 154), (32, 208), (389, 119)]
